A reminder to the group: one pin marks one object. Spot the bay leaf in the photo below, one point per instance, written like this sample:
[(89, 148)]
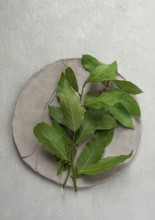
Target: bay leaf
[(128, 86), (70, 76), (104, 164), (70, 104), (122, 115), (51, 140), (103, 72)]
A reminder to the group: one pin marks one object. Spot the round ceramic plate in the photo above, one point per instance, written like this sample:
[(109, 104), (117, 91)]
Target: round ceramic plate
[(32, 108)]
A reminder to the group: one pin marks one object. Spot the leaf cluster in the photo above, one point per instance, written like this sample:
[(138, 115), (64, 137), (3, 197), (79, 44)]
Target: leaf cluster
[(90, 118)]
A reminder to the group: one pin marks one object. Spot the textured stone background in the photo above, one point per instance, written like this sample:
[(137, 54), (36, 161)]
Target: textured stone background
[(34, 33)]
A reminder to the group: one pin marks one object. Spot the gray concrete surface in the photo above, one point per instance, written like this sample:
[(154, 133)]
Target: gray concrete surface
[(34, 33)]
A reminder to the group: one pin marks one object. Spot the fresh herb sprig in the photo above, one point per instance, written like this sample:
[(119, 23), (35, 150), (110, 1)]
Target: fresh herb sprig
[(92, 117)]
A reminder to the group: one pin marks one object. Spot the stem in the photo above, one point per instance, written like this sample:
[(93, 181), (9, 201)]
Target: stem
[(121, 76), (107, 85), (74, 146), (72, 163), (74, 177), (82, 90), (64, 184)]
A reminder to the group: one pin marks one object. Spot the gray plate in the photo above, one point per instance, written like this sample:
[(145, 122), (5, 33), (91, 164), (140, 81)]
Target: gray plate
[(31, 108)]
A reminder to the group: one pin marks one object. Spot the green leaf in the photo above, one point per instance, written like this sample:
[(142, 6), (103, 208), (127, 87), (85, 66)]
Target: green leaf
[(51, 140), (62, 131), (88, 98), (70, 76), (107, 122), (108, 134), (60, 167), (103, 165), (121, 115), (88, 125), (127, 86), (60, 86), (56, 113), (94, 120), (89, 62), (103, 100), (103, 72), (131, 104), (70, 104), (92, 151)]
